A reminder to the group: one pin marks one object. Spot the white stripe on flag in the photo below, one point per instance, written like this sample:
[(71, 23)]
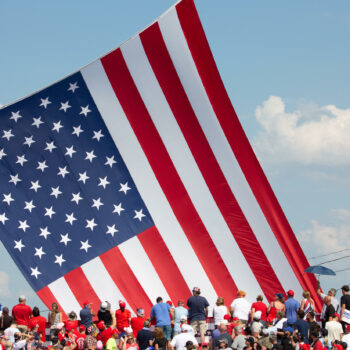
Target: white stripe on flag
[(185, 67), (186, 165), (143, 269), (103, 284), (64, 296), (144, 178)]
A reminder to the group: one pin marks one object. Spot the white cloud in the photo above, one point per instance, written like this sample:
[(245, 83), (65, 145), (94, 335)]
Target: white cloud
[(4, 285), (308, 135)]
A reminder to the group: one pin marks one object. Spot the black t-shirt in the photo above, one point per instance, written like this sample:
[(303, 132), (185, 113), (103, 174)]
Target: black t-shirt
[(105, 316), (143, 338), (330, 311), (197, 306), (162, 342), (345, 299)]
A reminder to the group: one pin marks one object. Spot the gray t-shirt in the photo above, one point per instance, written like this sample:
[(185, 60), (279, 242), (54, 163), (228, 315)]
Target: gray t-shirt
[(238, 342)]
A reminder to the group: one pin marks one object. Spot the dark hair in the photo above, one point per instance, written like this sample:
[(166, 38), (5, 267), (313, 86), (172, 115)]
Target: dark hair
[(324, 332), (248, 331), (311, 314), (5, 311), (36, 311), (159, 299), (259, 298), (314, 334), (63, 342), (301, 314), (54, 340), (345, 288)]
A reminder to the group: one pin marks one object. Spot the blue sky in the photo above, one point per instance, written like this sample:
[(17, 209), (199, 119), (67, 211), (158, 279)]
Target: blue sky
[(285, 66)]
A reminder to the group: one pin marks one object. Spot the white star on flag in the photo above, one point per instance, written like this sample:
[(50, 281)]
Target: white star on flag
[(23, 225), (90, 224), (28, 141), (85, 245), (37, 122), (57, 126), (124, 188), (90, 156), (8, 198), (110, 161), (63, 171), (55, 191), (39, 252), (65, 106), (3, 218), (15, 179), (118, 208), (98, 135), (77, 130), (50, 146), (111, 230), (65, 239), (29, 206), (103, 182), (83, 177), (35, 185), (97, 203), (44, 232), (59, 259), (15, 116), (42, 166), (73, 87), (76, 198), (44, 102), (21, 160), (2, 153), (7, 134), (70, 151), (19, 245), (35, 272), (49, 212), (70, 218), (85, 110), (139, 215)]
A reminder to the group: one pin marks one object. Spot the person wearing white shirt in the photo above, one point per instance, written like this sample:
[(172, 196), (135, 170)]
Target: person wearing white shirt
[(241, 307), (11, 331), (219, 311), (335, 330), (180, 340), (346, 337)]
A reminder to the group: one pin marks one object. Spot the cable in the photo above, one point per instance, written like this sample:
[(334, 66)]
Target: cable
[(325, 262), (343, 270), (320, 256)]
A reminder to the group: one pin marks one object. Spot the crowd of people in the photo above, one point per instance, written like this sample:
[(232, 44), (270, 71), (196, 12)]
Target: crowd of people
[(283, 324)]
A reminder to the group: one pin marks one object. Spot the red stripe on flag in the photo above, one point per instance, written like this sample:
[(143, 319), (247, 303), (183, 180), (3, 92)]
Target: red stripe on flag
[(125, 280), (175, 94), (164, 264), (82, 289), (163, 168), (48, 298), (239, 143)]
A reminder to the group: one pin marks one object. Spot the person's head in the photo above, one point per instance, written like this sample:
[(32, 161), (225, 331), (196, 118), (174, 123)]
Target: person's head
[(13, 323), (280, 314), (205, 346), (332, 292), (279, 297), (241, 294), (314, 335), (300, 314), (336, 317), (130, 338), (158, 333), (22, 299), (54, 307), (306, 294), (115, 333), (72, 316), (180, 303), (87, 304), (238, 330), (122, 304), (82, 329), (159, 300), (5, 311), (196, 291), (36, 311), (183, 319), (345, 289), (310, 316), (249, 341), (290, 293), (327, 300), (223, 326), (189, 345), (220, 301), (257, 315), (259, 298), (186, 328), (146, 323), (223, 343), (101, 325), (140, 312)]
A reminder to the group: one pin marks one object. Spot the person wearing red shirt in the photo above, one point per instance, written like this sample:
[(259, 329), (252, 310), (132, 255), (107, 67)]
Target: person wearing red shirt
[(316, 343), (122, 316), (21, 313), (137, 322), (259, 306), (40, 321), (72, 321), (80, 337), (105, 333)]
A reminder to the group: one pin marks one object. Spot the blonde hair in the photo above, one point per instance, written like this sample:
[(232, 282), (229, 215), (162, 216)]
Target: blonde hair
[(306, 294), (220, 301), (241, 293), (54, 311)]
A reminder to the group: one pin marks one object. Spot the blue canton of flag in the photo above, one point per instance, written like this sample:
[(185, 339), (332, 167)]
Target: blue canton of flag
[(66, 195)]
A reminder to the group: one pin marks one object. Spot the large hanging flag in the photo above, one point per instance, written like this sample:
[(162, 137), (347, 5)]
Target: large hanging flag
[(132, 179)]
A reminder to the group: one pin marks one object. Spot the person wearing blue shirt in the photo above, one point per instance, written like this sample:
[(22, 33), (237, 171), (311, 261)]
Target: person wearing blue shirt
[(86, 315), (292, 306), (160, 312), (180, 312)]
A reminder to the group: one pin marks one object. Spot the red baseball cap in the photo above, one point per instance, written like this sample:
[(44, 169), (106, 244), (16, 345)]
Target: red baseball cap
[(86, 302), (101, 325), (82, 327), (170, 302), (336, 315), (122, 303), (115, 331), (290, 293), (235, 319), (338, 346), (227, 317)]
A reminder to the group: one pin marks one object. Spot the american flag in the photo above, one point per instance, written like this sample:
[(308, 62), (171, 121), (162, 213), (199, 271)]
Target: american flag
[(133, 178)]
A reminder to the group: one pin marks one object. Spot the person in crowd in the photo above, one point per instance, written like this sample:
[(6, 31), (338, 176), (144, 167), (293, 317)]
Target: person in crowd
[(163, 313), (180, 341), (144, 336), (256, 325), (315, 342), (54, 317), (314, 326), (40, 321), (335, 329), (302, 326), (21, 313), (180, 317), (3, 342), (219, 311), (331, 293), (346, 336), (86, 315), (223, 335), (129, 343), (198, 312), (105, 314), (122, 316), (112, 341), (5, 319), (292, 306), (11, 331), (104, 332), (81, 335), (138, 321), (72, 321), (90, 342), (330, 311), (259, 305), (160, 341), (345, 306), (307, 304), (240, 307), (275, 306)]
